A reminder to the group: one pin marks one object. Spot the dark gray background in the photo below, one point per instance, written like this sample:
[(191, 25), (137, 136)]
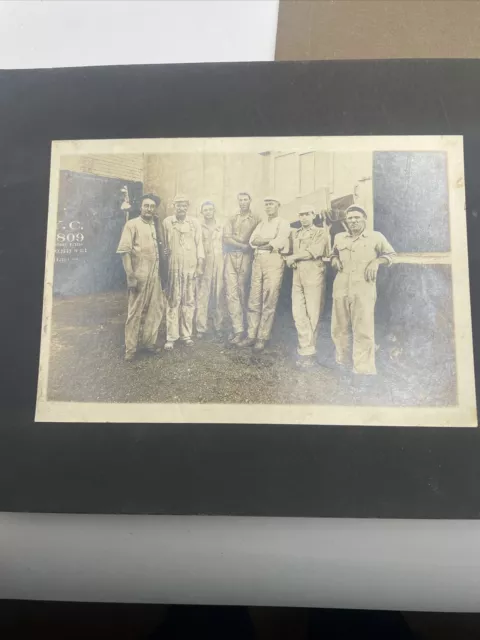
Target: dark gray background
[(217, 469)]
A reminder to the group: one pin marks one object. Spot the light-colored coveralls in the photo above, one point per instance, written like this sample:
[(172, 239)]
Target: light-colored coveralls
[(146, 304), (238, 267), (308, 285), (184, 247), (267, 274), (210, 286), (354, 298)]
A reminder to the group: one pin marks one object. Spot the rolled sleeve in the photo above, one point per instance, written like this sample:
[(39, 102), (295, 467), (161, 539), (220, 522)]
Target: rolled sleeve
[(126, 240), (334, 252), (254, 233), (282, 239), (384, 249)]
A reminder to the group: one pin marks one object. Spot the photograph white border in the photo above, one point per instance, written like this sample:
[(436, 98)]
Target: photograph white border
[(464, 414)]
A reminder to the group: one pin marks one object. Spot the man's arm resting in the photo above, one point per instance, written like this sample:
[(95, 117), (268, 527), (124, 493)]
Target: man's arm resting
[(127, 265), (258, 241), (232, 242), (372, 267), (303, 255)]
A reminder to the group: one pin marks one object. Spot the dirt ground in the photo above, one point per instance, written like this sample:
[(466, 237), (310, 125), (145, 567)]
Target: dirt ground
[(86, 365)]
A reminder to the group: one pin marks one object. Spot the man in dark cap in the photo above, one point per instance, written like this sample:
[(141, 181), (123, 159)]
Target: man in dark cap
[(141, 260), (356, 257)]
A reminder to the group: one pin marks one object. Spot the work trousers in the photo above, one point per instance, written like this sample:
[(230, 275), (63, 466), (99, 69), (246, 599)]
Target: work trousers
[(267, 273), (181, 306), (145, 312), (353, 318), (237, 271), (308, 301), (210, 295)]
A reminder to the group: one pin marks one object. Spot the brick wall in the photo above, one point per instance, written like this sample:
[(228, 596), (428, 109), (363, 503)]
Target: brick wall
[(124, 166)]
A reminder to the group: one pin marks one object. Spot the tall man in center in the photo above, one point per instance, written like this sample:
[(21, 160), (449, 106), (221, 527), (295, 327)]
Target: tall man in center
[(186, 260), (238, 263), (269, 240)]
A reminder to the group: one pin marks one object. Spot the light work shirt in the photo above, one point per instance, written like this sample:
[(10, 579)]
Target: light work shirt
[(276, 231), (355, 253)]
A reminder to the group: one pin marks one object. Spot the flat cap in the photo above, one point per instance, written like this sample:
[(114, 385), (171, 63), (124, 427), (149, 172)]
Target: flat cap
[(307, 208), (356, 207), (271, 199), (180, 198)]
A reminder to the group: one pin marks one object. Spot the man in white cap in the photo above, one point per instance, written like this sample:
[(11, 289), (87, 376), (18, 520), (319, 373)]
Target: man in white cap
[(356, 257), (309, 245), (139, 248), (186, 258), (270, 239), (238, 263), (210, 286)]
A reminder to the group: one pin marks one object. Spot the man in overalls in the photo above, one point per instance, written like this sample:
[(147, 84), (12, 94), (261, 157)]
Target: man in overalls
[(210, 286), (356, 257), (238, 263), (186, 258), (269, 240), (139, 249), (309, 245)]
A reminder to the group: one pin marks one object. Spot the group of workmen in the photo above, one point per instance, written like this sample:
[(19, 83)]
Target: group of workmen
[(230, 276)]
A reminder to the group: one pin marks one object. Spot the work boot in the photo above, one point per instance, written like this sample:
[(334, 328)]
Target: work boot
[(246, 342), (129, 357), (152, 351), (259, 346), (188, 342), (168, 346), (237, 338)]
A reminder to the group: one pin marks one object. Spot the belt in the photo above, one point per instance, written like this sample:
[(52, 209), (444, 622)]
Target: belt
[(266, 251)]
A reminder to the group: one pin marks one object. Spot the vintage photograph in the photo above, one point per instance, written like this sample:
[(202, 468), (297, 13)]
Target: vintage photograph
[(258, 280)]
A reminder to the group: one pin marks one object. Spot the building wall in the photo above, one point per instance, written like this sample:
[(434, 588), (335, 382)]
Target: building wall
[(123, 166), (217, 177), (317, 177), (313, 178)]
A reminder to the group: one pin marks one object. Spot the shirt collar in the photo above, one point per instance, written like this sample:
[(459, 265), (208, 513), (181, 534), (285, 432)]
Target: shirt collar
[(243, 215), (309, 230), (364, 234), (216, 226), (177, 221)]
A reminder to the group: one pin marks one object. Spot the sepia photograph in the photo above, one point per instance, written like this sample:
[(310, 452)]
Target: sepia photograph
[(313, 280)]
